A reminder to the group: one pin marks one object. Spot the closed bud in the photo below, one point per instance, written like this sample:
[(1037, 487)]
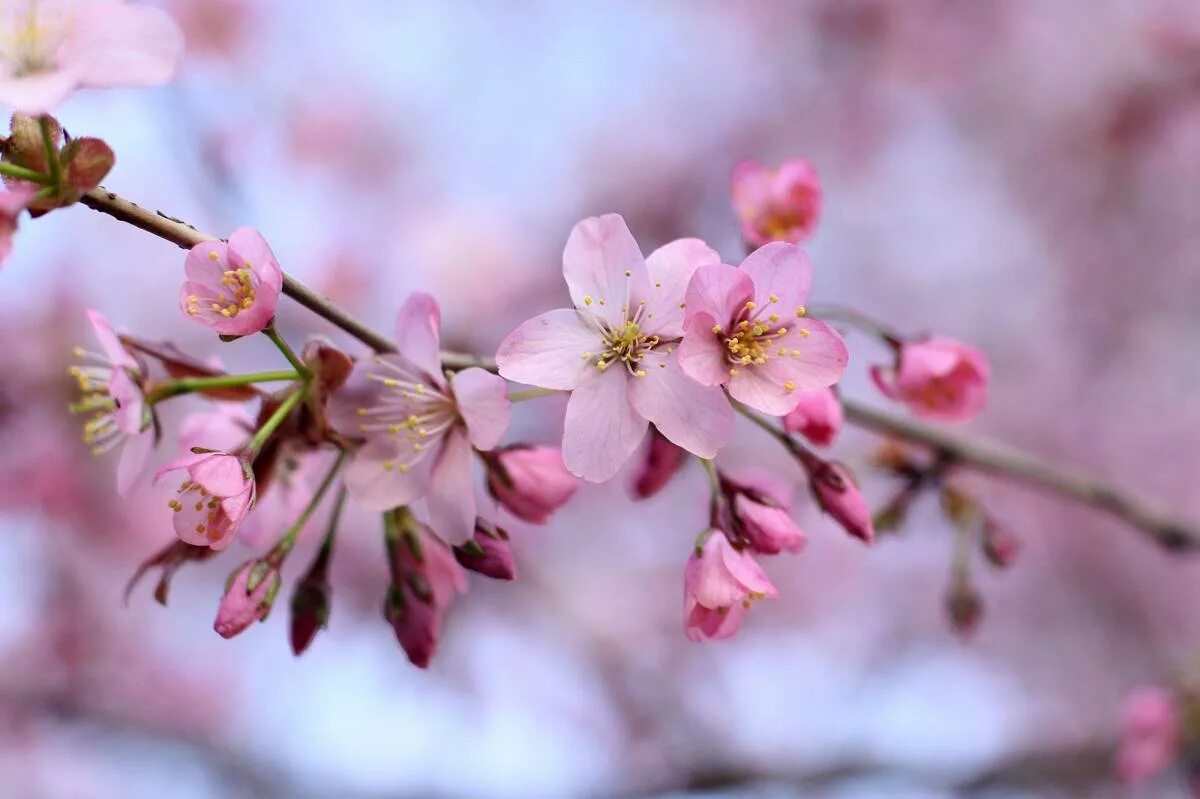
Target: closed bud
[(661, 462), (964, 608), (487, 552), (86, 162), (959, 506), (415, 622), (1000, 546), (249, 595), (530, 482), (311, 602), (833, 486)]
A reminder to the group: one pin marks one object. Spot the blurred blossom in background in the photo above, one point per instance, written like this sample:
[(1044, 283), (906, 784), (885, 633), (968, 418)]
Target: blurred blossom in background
[(1020, 174)]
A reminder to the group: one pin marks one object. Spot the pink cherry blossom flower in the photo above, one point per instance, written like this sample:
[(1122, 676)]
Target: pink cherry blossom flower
[(425, 579), (937, 378), (776, 205), (419, 427), (817, 416), (836, 492), (747, 329), (760, 509), (12, 203), (615, 351), (232, 288), (213, 500), (248, 598), (660, 463), (719, 585), (530, 482), (110, 385), (56, 46), (488, 552), (1150, 731)]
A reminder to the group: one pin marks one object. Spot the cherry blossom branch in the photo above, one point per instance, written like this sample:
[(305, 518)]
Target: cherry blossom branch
[(1169, 530)]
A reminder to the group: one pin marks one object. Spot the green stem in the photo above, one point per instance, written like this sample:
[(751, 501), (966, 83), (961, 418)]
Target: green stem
[(188, 385), (24, 173), (839, 313), (281, 549), (807, 459), (533, 393), (331, 531), (51, 152), (281, 413), (714, 491), (270, 332)]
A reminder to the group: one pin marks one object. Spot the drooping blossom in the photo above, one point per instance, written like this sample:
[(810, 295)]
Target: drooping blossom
[(425, 578), (818, 416), (1150, 733), (836, 492), (760, 510), (488, 552), (937, 378), (719, 585), (248, 598), (419, 426), (616, 350), (12, 203), (776, 204), (214, 498), (531, 482), (53, 47), (232, 288), (110, 385), (747, 329), (661, 461)]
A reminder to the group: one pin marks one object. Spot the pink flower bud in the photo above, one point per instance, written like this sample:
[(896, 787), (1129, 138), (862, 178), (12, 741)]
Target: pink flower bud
[(531, 482), (663, 460), (487, 552), (310, 603), (937, 378), (248, 598), (1150, 730), (833, 485), (761, 515), (416, 622), (964, 608), (817, 417), (232, 288), (425, 578), (213, 500), (719, 585), (776, 205), (1000, 546)]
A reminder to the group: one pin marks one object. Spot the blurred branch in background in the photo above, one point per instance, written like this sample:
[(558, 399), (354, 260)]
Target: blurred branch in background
[(1169, 530)]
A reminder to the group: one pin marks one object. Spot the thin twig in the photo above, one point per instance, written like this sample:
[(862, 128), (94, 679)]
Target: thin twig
[(1166, 528)]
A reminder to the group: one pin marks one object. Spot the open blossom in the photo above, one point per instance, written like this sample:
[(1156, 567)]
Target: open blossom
[(747, 329), (52, 47), (817, 416), (214, 498), (110, 385), (248, 598), (836, 492), (419, 427), (531, 482), (232, 288), (761, 514), (615, 351), (776, 204), (425, 578), (937, 378), (1150, 732), (719, 585)]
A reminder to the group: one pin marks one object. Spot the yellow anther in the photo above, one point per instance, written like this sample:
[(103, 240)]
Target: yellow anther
[(733, 372), (750, 305), (716, 329), (782, 331), (789, 386), (587, 299), (587, 356), (804, 332), (404, 468), (774, 298), (601, 300), (199, 528), (389, 465), (683, 305), (640, 373), (213, 256), (801, 311), (773, 318)]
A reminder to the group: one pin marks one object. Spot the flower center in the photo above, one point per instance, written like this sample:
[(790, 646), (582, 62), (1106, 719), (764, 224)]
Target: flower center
[(100, 431), (410, 412), (756, 336), (627, 344), (31, 37), (238, 295), (201, 502)]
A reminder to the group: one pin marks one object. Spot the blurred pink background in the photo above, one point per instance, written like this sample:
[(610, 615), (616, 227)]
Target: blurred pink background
[(1020, 174)]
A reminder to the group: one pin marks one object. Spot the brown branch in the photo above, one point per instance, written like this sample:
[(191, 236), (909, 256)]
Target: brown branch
[(1167, 529)]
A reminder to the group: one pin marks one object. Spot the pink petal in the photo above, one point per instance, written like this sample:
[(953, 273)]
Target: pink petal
[(884, 378), (132, 463), (200, 267), (702, 623), (548, 350), (450, 498), (128, 396), (222, 475), (185, 461), (360, 392), (37, 93), (719, 290), (482, 399), (121, 44), (702, 353), (599, 253), (109, 341), (372, 483), (418, 336), (751, 188), (695, 417), (670, 268), (226, 429), (745, 569), (779, 270), (601, 429)]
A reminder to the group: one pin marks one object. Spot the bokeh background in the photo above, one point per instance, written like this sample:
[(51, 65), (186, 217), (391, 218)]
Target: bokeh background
[(1020, 174)]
